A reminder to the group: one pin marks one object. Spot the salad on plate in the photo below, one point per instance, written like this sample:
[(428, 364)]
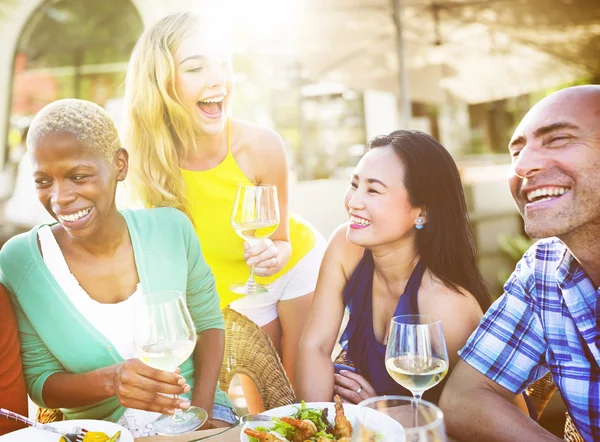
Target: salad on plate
[(306, 425)]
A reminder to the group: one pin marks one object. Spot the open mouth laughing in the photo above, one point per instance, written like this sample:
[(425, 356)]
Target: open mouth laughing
[(212, 107)]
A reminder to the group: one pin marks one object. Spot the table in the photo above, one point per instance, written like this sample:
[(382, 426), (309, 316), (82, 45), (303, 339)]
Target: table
[(231, 436)]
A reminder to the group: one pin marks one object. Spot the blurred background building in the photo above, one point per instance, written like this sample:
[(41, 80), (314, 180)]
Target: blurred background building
[(327, 75)]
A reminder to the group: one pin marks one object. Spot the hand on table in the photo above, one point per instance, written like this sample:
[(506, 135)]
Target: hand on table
[(137, 385), (352, 387), (263, 256)]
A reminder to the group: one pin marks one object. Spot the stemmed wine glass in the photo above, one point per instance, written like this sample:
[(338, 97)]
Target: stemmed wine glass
[(254, 216), (416, 356), (164, 338), (390, 418)]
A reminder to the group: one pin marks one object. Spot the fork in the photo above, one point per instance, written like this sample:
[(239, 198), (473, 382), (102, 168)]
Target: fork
[(76, 435), (241, 421)]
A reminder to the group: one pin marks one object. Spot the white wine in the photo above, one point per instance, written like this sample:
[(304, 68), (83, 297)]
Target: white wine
[(253, 232), (416, 373), (166, 355)]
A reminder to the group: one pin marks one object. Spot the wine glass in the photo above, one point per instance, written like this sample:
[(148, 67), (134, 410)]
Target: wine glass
[(390, 418), (416, 356), (164, 338), (254, 216)]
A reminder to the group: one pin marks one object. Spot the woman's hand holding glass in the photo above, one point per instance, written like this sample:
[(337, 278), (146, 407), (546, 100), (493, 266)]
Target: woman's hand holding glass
[(255, 217), (263, 256), (136, 385), (164, 338)]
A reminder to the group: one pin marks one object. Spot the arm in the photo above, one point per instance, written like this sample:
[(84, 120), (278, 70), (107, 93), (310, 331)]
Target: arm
[(314, 368), (134, 384), (207, 357), (477, 408), (482, 400), (269, 160), (203, 303), (13, 393)]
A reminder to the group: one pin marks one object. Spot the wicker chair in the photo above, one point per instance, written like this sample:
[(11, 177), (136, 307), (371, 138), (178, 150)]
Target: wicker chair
[(49, 415), (540, 392), (249, 351), (571, 433)]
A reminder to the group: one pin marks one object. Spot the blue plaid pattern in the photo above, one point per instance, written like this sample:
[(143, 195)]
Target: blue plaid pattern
[(547, 320)]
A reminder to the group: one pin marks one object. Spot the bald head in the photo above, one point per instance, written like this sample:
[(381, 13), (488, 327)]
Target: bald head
[(87, 122), (573, 107)]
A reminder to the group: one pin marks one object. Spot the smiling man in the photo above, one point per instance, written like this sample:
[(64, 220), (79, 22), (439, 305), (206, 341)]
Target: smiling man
[(548, 318)]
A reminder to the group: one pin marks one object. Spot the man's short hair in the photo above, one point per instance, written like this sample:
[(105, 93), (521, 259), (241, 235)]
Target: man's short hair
[(89, 123)]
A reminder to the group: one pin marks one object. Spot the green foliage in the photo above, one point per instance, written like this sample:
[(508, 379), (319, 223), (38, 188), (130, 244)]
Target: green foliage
[(79, 32)]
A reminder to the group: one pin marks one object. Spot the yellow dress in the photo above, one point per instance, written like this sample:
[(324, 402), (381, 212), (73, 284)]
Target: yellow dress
[(210, 194)]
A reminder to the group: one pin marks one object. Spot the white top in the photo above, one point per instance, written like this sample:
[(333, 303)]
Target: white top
[(114, 321)]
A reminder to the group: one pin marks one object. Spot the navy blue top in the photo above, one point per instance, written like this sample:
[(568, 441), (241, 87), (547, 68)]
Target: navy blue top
[(363, 350)]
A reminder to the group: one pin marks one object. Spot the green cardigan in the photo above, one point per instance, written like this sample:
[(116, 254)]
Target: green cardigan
[(55, 337)]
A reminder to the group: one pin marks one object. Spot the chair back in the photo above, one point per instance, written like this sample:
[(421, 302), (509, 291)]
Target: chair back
[(49, 415), (249, 351), (540, 392), (571, 433)]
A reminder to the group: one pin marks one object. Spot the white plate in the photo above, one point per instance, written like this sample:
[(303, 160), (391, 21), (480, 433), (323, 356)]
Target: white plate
[(387, 425), (35, 434)]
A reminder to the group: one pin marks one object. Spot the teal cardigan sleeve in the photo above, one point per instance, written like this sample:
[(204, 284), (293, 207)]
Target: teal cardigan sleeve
[(38, 362), (202, 297)]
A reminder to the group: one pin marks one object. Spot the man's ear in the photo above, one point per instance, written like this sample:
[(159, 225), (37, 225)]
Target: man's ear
[(122, 164)]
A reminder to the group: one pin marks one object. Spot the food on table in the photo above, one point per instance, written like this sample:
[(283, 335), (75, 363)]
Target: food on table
[(261, 436), (342, 426), (96, 436), (305, 429), (306, 425)]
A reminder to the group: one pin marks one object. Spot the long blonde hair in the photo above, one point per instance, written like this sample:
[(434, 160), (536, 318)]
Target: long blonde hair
[(158, 129)]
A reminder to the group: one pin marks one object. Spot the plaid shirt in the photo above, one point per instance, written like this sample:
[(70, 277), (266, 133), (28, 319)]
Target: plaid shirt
[(545, 321)]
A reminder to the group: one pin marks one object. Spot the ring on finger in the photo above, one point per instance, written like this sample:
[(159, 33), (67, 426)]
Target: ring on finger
[(359, 390)]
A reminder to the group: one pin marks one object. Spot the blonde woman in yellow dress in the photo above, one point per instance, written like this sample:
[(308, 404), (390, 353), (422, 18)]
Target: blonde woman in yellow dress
[(188, 153)]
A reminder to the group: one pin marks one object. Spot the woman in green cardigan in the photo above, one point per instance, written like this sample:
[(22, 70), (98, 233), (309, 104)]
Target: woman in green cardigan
[(75, 283)]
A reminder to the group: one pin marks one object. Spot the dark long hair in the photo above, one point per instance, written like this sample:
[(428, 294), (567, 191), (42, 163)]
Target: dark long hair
[(446, 243)]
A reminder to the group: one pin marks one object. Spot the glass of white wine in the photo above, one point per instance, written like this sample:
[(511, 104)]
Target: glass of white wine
[(416, 356), (164, 338), (254, 217), (390, 419)]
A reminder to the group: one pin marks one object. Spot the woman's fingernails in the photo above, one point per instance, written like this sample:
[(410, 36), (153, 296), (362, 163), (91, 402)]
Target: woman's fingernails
[(184, 404), (181, 381), (186, 389)]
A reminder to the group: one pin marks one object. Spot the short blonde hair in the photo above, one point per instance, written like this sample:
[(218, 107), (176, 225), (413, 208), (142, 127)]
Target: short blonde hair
[(89, 123)]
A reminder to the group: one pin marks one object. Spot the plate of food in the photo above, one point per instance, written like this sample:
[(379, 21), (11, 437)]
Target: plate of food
[(315, 422), (98, 431)]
